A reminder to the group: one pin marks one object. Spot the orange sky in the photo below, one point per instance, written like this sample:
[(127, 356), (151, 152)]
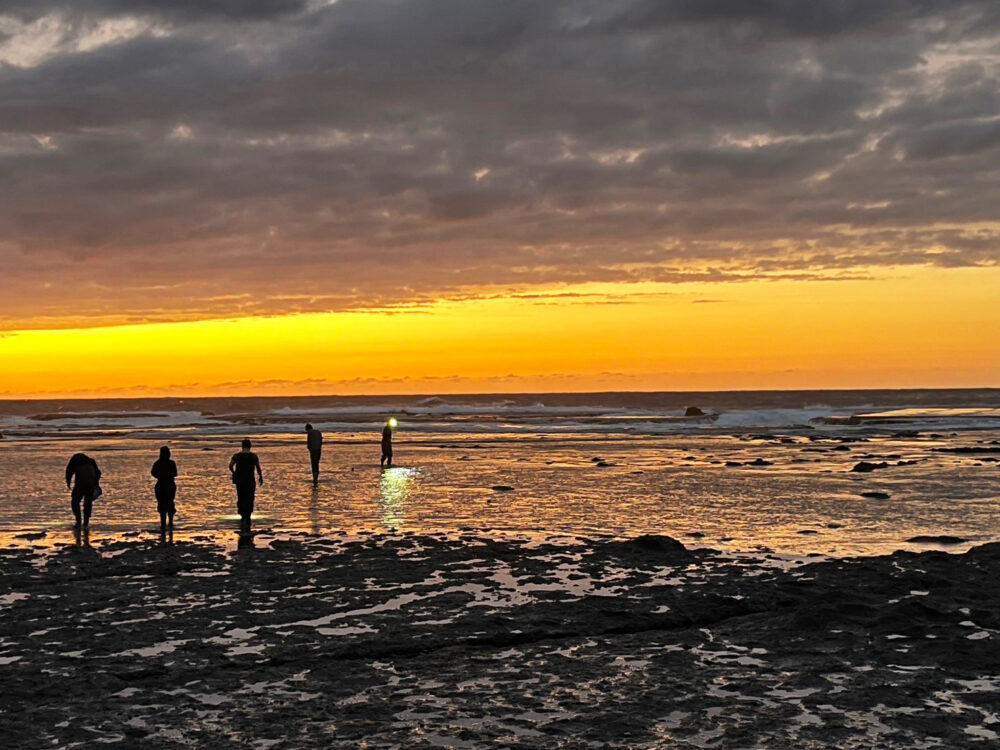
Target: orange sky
[(914, 327)]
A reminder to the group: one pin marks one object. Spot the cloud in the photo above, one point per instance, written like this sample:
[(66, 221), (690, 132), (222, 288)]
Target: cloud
[(165, 160), (173, 9)]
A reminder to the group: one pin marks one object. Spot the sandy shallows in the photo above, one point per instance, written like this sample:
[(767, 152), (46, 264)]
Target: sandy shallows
[(466, 641)]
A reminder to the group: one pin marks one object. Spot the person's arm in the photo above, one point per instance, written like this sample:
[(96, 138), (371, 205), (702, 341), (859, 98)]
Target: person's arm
[(153, 470), (232, 464), (97, 471), (173, 470), (260, 476), (70, 469)]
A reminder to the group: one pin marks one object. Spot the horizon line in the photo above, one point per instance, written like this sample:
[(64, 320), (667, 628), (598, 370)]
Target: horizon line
[(439, 394)]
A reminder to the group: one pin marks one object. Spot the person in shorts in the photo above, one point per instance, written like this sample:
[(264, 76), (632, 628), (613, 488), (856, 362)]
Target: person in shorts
[(83, 478), (246, 474)]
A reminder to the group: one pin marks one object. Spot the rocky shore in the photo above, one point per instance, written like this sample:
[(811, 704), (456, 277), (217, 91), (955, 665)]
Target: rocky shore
[(472, 641)]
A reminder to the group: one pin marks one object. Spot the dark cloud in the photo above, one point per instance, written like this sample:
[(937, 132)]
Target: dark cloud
[(181, 9), (823, 19), (160, 160)]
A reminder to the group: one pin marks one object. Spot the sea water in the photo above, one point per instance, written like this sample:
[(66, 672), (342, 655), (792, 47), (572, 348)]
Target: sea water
[(754, 471)]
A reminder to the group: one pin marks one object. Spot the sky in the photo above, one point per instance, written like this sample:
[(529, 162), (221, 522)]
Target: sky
[(363, 196)]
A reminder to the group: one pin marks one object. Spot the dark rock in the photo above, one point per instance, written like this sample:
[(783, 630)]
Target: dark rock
[(657, 543), (813, 618), (695, 534), (693, 411), (807, 531), (942, 539), (876, 495), (502, 488), (32, 535), (733, 463), (866, 466), (604, 464), (759, 462)]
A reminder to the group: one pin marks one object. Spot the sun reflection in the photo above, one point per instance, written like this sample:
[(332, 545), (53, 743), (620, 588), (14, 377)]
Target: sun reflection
[(393, 492)]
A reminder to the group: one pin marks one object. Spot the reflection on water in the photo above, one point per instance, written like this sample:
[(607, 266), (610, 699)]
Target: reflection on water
[(314, 524), (393, 491), (793, 493)]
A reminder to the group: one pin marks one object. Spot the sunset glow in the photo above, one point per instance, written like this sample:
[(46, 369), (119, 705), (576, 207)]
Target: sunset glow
[(775, 334)]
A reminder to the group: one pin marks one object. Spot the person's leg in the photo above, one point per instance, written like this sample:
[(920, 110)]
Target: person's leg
[(74, 503), (171, 506), (163, 522), (88, 507), (314, 458), (244, 505), (241, 506), (250, 499), (388, 458)]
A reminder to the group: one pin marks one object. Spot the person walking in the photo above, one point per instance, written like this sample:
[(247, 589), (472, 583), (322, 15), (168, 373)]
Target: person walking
[(314, 441), (165, 471), (242, 467), (84, 475)]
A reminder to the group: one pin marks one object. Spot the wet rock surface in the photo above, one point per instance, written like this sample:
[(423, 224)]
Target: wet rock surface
[(470, 641), (864, 467), (936, 539)]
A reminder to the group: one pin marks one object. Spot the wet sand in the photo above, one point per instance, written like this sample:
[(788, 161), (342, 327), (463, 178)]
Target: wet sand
[(794, 493), (464, 640)]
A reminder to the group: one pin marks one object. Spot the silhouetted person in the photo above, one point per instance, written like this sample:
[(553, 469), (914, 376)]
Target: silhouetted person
[(85, 476), (386, 461), (243, 466), (165, 472), (314, 441)]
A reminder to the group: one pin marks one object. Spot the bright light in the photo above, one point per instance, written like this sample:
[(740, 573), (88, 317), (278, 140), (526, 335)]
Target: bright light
[(393, 422)]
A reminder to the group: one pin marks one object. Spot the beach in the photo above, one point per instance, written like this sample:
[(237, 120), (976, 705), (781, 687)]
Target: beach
[(470, 374), (769, 470), (435, 641), (530, 575)]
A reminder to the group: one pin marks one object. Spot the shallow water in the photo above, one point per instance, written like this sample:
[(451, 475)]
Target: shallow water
[(805, 501)]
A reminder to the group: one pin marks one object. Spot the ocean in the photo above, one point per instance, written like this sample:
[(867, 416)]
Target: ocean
[(739, 471)]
